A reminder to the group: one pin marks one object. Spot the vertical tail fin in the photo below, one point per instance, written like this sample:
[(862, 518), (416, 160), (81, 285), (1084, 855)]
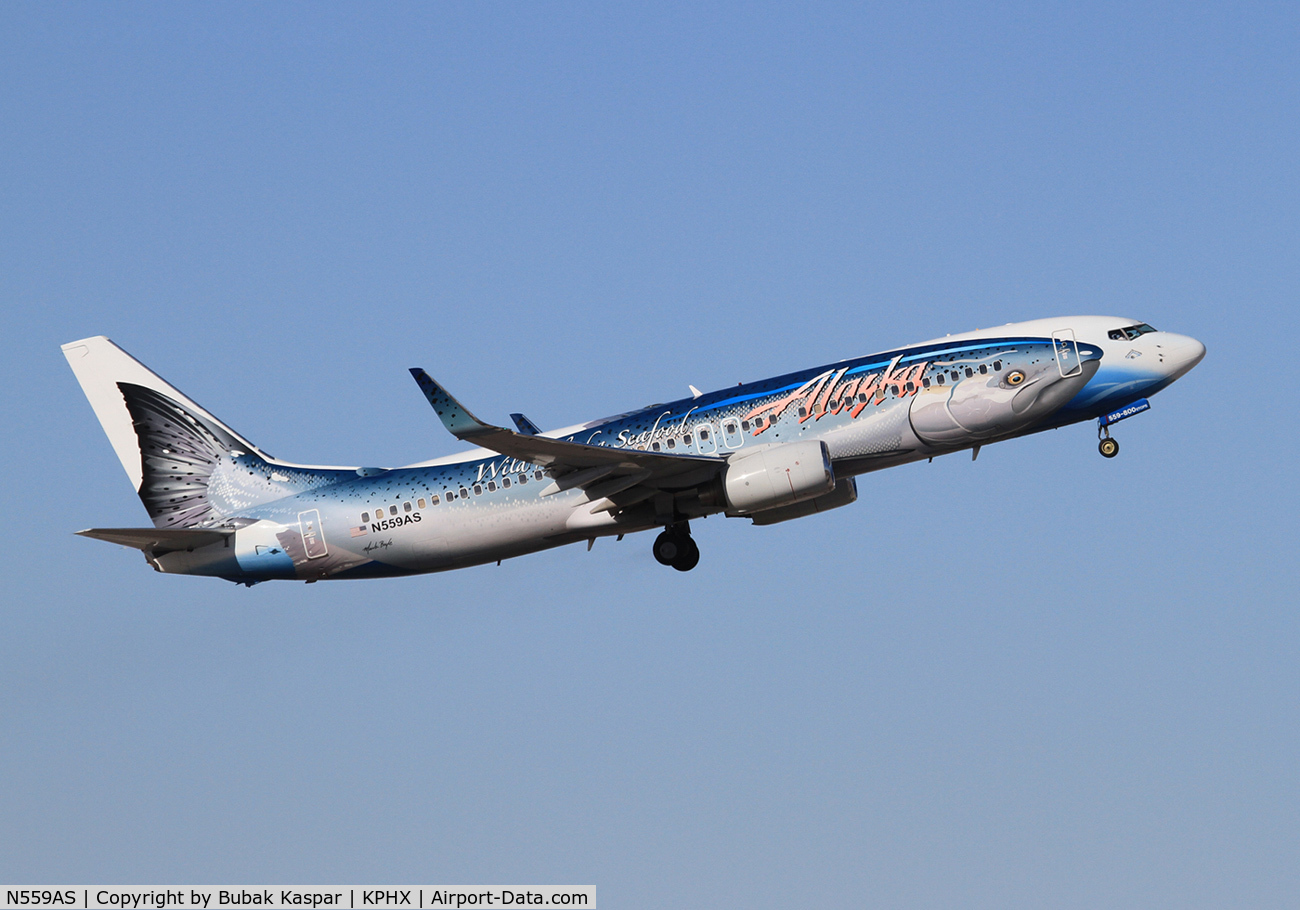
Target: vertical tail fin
[(190, 469)]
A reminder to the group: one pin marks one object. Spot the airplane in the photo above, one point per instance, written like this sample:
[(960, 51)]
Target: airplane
[(770, 451)]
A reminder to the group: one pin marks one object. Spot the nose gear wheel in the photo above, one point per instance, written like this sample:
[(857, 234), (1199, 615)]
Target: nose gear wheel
[(1108, 447)]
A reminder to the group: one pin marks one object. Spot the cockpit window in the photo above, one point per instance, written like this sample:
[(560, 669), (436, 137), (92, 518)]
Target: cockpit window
[(1130, 332)]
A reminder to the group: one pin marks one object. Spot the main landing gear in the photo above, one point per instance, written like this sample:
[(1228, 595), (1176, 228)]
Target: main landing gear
[(674, 547)]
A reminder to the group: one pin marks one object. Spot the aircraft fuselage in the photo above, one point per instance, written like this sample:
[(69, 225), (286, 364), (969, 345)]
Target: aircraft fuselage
[(911, 403)]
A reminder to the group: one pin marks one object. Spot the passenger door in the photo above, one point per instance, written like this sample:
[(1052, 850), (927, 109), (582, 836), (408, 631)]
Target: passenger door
[(313, 539)]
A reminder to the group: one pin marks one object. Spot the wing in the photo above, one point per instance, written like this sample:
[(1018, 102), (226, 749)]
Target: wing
[(621, 476)]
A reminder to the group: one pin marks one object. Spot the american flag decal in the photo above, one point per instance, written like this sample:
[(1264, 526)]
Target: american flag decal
[(360, 531)]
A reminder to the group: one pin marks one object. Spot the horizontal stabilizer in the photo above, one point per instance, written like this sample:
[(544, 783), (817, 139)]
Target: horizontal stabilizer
[(525, 426), (158, 540)]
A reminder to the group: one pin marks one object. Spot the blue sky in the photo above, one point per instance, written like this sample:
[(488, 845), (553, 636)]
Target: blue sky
[(1042, 679)]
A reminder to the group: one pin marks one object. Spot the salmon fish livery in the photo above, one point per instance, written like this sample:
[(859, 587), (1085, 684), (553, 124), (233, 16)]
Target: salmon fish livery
[(770, 451)]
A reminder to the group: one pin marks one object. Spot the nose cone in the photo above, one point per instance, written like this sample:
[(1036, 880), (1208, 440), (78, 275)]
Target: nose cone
[(1180, 354)]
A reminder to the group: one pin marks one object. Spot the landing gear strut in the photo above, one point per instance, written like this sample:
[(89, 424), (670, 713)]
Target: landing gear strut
[(674, 547), (1108, 447)]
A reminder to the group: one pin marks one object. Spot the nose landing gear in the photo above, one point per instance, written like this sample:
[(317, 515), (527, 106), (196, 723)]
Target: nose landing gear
[(1108, 447), (674, 547)]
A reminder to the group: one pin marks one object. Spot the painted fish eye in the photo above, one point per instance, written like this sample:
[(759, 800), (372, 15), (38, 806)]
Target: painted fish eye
[(1015, 378)]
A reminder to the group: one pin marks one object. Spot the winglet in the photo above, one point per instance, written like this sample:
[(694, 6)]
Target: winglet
[(525, 426), (454, 415)]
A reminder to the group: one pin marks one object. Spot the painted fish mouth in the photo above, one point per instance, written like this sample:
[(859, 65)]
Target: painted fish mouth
[(1027, 395), (1052, 392)]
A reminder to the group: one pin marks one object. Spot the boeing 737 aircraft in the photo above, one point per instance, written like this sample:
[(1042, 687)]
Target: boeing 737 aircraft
[(768, 451)]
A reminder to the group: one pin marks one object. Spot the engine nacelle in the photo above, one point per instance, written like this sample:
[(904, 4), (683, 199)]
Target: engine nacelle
[(845, 492), (778, 475)]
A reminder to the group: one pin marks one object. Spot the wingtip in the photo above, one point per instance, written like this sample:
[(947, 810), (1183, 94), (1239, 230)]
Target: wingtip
[(525, 426), (454, 416)]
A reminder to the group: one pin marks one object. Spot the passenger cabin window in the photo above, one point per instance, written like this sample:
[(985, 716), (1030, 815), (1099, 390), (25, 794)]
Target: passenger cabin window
[(478, 489), (420, 502), (997, 366), (537, 475), (941, 379), (672, 443), (655, 446), (523, 478), (686, 440), (969, 372), (433, 500), (1130, 332), (744, 425), (505, 483), (984, 368), (406, 507), (365, 517), (704, 434), (926, 382), (464, 493), (492, 486), (392, 510)]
